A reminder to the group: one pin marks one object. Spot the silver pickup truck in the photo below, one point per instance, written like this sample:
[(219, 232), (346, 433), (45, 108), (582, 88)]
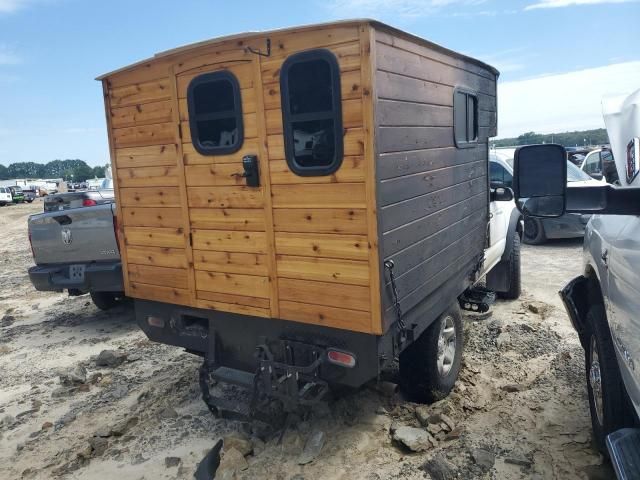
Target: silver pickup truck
[(77, 250), (604, 302)]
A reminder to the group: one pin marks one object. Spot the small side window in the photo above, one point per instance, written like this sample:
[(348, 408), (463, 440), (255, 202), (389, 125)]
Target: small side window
[(312, 112), (215, 113), (465, 118)]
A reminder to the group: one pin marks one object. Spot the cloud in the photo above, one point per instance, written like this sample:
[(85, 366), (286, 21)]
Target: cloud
[(569, 3), (562, 102), (10, 6), (407, 8), (8, 56)]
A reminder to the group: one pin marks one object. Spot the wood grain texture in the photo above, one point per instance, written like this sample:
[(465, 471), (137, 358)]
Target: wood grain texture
[(154, 237), (225, 197), (332, 195), (227, 219), (152, 216), (150, 197), (144, 135), (157, 256), (336, 295), (142, 114), (350, 272), (138, 93), (192, 157), (233, 283), (148, 176), (234, 299), (233, 308), (156, 293), (353, 247), (318, 220), (351, 171), (155, 275), (150, 156), (231, 262), (355, 320), (229, 241)]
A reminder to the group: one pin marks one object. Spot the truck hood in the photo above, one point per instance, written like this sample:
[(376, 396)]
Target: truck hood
[(622, 119)]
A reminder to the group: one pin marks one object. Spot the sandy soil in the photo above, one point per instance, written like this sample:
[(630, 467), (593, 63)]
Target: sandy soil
[(518, 412)]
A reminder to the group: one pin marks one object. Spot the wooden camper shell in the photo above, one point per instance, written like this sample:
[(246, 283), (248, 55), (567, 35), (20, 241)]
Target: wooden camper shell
[(309, 249)]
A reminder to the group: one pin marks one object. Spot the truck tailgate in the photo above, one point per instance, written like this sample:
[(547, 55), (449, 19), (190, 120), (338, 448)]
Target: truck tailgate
[(74, 236)]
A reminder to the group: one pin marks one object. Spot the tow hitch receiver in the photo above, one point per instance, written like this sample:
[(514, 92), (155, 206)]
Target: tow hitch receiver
[(293, 385), (477, 299)]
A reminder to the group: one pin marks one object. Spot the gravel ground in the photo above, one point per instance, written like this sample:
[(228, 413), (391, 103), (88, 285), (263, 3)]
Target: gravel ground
[(519, 410)]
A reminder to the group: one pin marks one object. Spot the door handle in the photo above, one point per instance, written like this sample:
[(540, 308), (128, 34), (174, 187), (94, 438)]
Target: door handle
[(251, 172)]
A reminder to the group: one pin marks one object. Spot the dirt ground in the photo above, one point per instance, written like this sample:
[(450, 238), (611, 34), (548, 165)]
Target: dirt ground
[(519, 411)]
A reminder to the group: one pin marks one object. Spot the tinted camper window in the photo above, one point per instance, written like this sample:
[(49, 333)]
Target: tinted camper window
[(215, 113), (311, 112), (465, 118)]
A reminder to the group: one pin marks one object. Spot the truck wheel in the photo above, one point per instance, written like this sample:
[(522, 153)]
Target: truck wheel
[(533, 231), (105, 300), (429, 367), (515, 279), (607, 395)]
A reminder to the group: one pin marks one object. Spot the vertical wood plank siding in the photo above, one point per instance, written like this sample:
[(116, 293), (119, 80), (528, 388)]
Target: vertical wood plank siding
[(431, 196)]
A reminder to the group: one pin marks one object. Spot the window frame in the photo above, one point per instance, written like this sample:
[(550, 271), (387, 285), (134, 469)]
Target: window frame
[(468, 93), (289, 118), (211, 77)]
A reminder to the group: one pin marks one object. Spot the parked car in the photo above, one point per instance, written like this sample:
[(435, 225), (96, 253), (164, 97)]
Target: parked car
[(5, 196), (600, 165), (16, 194), (603, 303), (29, 195), (86, 198), (77, 250)]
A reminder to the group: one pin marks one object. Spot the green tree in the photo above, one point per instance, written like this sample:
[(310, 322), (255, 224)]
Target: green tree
[(98, 172), (25, 170), (4, 175)]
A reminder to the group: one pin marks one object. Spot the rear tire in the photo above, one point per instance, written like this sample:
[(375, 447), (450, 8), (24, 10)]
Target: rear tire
[(105, 300), (608, 401), (429, 367), (515, 275), (533, 231)]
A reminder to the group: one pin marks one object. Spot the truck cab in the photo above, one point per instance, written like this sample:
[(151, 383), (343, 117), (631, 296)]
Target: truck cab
[(602, 303)]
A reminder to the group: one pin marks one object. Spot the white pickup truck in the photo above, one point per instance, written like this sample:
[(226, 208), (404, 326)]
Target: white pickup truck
[(604, 302)]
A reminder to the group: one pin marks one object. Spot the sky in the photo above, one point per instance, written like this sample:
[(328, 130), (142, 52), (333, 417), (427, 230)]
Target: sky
[(557, 58)]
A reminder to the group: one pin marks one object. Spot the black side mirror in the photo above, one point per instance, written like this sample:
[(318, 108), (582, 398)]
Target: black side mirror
[(597, 175), (501, 194), (540, 180)]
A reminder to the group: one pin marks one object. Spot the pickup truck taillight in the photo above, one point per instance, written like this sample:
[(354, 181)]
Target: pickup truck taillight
[(88, 202)]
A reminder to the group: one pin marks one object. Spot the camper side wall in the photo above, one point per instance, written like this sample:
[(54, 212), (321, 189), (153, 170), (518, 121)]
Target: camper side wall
[(434, 112)]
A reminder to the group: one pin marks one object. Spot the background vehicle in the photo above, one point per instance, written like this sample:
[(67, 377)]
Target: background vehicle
[(604, 302), (29, 195), (76, 250), (5, 196), (87, 198), (600, 165), (16, 194)]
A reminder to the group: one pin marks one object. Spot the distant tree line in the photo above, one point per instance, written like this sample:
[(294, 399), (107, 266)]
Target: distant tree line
[(69, 170), (567, 139)]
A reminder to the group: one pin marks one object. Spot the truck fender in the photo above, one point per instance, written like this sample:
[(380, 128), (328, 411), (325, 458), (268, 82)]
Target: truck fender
[(515, 228), (578, 296)]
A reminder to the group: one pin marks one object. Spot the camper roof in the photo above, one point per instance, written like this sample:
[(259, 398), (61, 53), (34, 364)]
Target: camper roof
[(256, 34)]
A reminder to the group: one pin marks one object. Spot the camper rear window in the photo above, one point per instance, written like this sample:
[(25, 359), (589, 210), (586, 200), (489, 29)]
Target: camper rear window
[(311, 112), (215, 113), (465, 118)]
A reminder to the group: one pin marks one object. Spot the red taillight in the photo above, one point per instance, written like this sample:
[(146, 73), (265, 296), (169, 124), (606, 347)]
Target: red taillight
[(342, 359), (88, 202)]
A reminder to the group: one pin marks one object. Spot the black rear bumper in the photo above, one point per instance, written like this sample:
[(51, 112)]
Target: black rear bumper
[(233, 340), (97, 277)]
